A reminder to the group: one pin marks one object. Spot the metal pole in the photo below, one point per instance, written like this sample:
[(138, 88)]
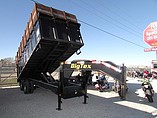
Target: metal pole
[(60, 87), (59, 97), (85, 95), (123, 86), (86, 75)]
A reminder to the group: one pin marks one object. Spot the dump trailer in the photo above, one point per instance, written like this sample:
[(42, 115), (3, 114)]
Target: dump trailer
[(51, 37)]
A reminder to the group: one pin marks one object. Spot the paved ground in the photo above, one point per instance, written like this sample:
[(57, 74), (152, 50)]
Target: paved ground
[(42, 104)]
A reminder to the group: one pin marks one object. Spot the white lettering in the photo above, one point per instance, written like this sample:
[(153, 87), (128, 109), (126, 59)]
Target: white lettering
[(151, 33), (153, 25)]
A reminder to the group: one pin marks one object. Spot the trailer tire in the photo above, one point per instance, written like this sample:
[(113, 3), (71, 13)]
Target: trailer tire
[(21, 83), (26, 87), (31, 85)]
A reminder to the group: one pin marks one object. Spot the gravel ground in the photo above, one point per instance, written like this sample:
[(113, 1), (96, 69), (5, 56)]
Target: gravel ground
[(42, 104)]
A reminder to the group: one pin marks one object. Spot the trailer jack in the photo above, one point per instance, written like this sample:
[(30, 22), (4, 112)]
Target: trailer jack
[(59, 102)]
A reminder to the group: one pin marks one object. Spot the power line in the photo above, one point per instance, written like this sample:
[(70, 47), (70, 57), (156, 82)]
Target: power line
[(125, 19), (111, 34), (126, 14), (35, 1), (115, 24)]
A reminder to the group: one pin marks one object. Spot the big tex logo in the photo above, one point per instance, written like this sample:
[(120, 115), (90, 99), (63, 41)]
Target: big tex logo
[(81, 66)]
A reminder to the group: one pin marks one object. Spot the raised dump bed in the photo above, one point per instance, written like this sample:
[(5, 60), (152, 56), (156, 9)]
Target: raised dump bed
[(51, 37)]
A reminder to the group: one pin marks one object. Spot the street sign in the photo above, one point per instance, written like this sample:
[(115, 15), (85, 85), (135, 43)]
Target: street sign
[(150, 34), (150, 49)]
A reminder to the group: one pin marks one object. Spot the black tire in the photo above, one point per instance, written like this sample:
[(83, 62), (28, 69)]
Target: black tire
[(150, 98), (26, 87), (21, 84), (152, 91), (31, 85)]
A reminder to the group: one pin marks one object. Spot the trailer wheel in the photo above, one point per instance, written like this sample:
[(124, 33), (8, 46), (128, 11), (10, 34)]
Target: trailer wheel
[(21, 83), (26, 87), (31, 85)]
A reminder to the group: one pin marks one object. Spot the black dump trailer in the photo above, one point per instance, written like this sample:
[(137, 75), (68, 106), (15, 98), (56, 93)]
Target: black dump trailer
[(50, 38)]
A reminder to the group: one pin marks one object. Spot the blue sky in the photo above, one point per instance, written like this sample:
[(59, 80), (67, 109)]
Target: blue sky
[(124, 18)]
